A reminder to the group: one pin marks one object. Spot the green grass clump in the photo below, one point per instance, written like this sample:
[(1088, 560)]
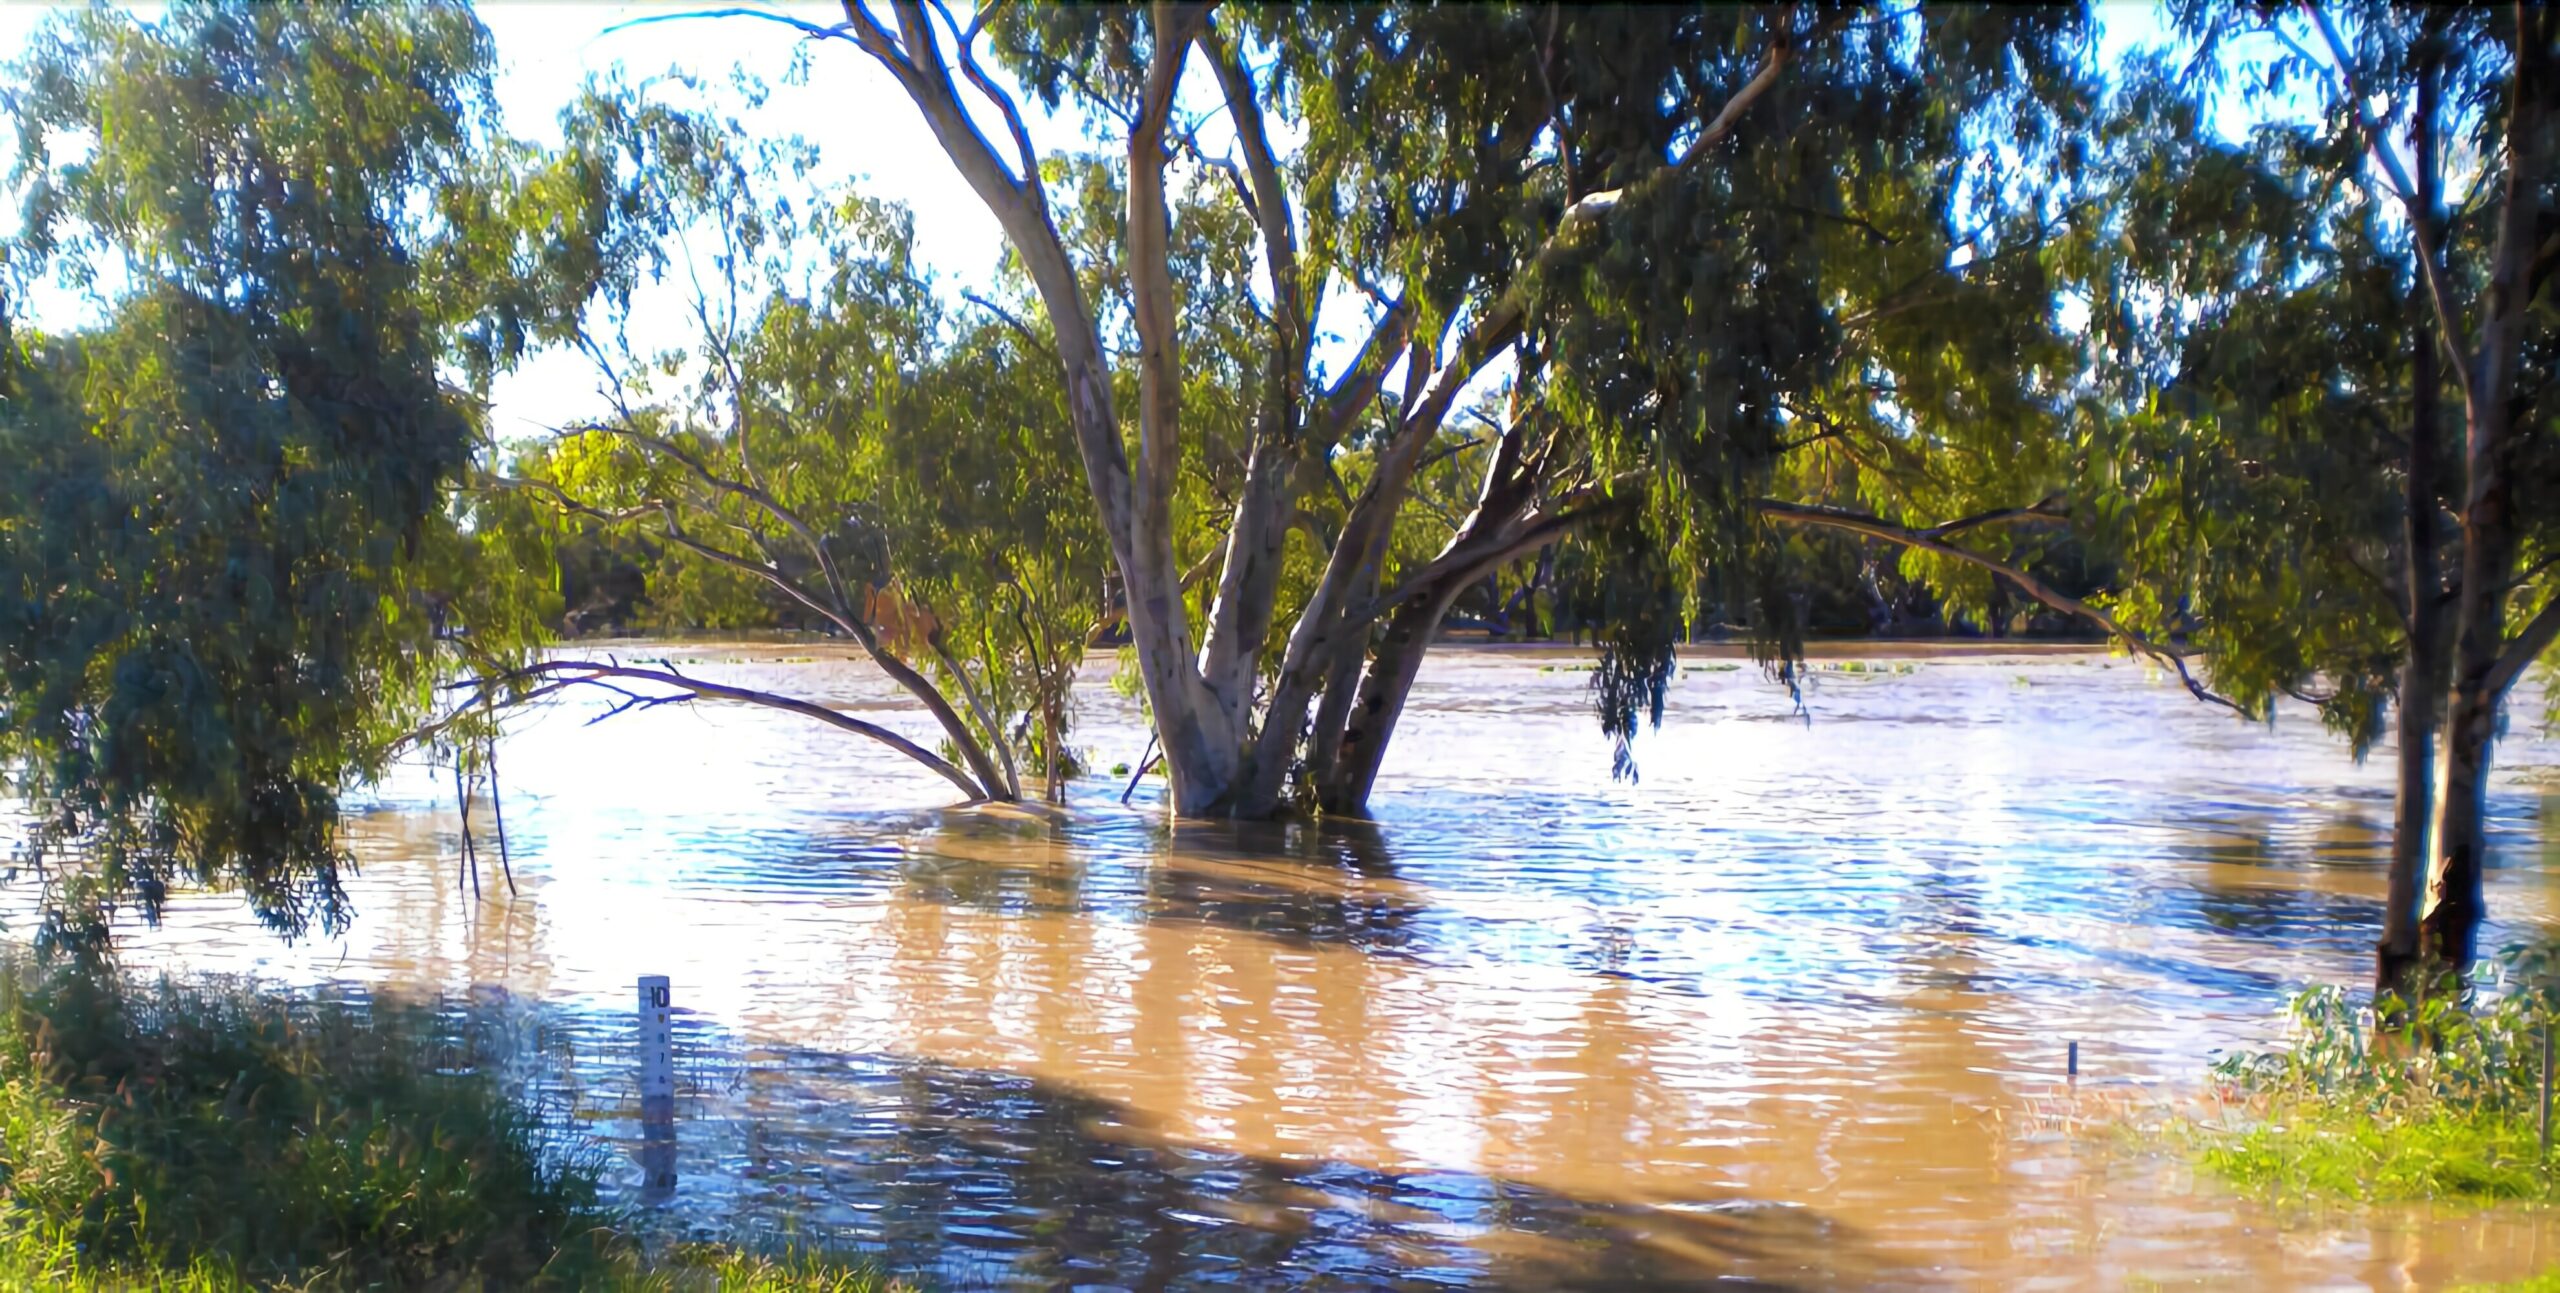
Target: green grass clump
[(2546, 1282), (715, 1266), (207, 1137), (2441, 1102)]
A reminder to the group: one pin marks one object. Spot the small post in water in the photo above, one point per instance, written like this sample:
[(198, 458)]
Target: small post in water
[(2546, 1091), (2073, 1071)]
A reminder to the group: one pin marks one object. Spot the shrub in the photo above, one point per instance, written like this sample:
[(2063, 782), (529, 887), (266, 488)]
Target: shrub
[(2437, 1101)]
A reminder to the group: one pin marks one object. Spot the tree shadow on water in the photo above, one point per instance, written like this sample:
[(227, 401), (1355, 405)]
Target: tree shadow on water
[(974, 1178)]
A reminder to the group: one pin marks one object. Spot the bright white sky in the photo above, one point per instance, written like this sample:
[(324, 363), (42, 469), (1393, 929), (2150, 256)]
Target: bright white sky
[(862, 123)]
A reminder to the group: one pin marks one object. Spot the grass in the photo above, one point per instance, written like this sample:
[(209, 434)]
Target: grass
[(2546, 1282), (202, 1138), (2442, 1104)]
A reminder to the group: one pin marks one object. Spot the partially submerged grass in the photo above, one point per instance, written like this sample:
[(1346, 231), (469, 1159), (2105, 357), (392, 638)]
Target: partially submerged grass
[(2443, 1102), (204, 1137), (2546, 1282)]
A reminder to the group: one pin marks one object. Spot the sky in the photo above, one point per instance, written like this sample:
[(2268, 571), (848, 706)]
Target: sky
[(865, 128)]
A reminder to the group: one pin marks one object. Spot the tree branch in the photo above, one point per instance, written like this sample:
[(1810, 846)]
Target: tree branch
[(1270, 204), (1555, 110), (1781, 51), (1877, 527), (2526, 647), (837, 608), (1010, 320), (814, 31), (1149, 266), (2043, 510), (2421, 223), (1359, 383), (2532, 572), (964, 53), (977, 704), (570, 672)]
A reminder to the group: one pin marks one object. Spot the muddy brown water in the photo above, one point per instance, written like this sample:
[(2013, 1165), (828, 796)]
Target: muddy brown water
[(1791, 1011)]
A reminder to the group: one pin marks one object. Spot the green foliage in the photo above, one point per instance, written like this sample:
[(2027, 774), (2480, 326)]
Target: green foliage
[(1628, 590), (226, 550), (1848, 305), (830, 446), (2440, 1101), (2254, 305), (158, 1125), (1861, 247), (207, 1137), (2251, 489)]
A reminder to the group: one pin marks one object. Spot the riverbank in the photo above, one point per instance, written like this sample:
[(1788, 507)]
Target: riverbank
[(208, 1137)]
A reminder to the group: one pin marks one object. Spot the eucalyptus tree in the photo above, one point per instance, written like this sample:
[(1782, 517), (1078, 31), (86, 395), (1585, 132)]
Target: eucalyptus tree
[(2280, 467), (2498, 342), (2254, 435), (2229, 431), (827, 430), (227, 556), (2457, 285), (1622, 225)]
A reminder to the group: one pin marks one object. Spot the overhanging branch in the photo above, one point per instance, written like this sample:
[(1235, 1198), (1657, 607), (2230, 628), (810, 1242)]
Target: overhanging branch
[(556, 675), (1877, 527)]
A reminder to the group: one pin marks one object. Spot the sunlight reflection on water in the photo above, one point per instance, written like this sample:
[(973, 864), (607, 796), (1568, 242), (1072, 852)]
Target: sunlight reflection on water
[(1793, 1008)]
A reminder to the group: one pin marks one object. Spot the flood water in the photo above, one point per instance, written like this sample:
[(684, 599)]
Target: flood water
[(1792, 1011)]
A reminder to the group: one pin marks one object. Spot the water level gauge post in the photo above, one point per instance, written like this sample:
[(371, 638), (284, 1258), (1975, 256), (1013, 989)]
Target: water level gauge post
[(657, 1045), (657, 1091)]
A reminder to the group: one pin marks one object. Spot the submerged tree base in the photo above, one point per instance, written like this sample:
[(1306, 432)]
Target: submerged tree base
[(204, 1137)]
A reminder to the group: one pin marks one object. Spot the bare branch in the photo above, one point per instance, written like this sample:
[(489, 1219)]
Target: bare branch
[(1359, 383), (1270, 205), (1446, 451), (2533, 572), (587, 671), (1010, 320), (1189, 142), (1469, 561), (977, 705), (2044, 510), (562, 499), (1555, 111), (756, 494), (814, 31), (1772, 65), (1877, 527)]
